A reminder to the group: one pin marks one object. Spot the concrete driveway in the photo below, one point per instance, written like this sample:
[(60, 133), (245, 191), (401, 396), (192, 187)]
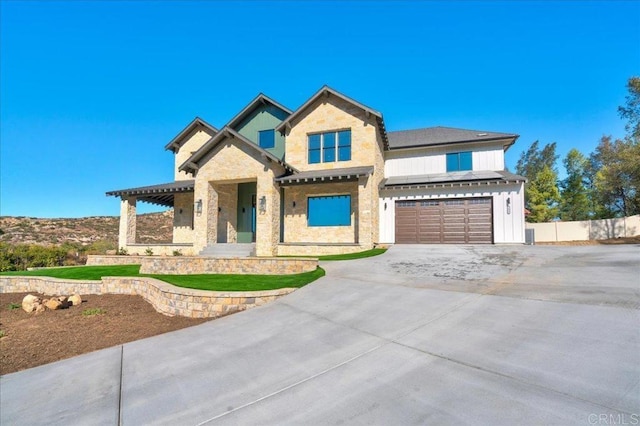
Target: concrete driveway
[(421, 335)]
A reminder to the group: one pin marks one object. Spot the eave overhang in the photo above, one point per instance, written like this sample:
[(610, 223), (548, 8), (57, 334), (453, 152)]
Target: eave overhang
[(325, 176), (177, 141), (193, 163), (162, 194), (326, 91)]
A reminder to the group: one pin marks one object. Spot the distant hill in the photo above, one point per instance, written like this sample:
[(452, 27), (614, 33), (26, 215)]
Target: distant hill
[(151, 228)]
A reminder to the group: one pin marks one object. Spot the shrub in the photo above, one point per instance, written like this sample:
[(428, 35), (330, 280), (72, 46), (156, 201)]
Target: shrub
[(93, 311), (149, 251), (122, 252), (177, 253), (13, 306)]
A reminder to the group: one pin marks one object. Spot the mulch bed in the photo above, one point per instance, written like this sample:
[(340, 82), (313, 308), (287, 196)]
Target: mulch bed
[(30, 340)]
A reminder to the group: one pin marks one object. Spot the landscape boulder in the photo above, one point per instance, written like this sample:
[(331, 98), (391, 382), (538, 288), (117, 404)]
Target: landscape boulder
[(53, 304), (30, 303), (75, 300)]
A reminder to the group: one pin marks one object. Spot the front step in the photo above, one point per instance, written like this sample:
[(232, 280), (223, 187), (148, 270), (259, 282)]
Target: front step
[(229, 250)]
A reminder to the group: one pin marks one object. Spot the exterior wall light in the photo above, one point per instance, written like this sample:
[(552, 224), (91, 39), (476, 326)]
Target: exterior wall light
[(508, 205), (198, 206), (294, 204), (263, 204)]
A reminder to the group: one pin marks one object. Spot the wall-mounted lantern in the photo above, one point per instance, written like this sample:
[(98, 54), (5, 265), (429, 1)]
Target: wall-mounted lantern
[(263, 204), (294, 204), (508, 205), (198, 205)]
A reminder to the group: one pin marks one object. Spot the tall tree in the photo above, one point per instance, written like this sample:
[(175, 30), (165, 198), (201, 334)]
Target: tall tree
[(631, 110), (543, 196), (617, 176), (531, 165), (574, 200)]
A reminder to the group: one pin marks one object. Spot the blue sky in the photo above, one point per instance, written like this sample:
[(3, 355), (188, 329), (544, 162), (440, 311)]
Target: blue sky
[(92, 91)]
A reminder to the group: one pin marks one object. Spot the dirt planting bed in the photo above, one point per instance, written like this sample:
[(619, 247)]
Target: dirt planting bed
[(29, 340)]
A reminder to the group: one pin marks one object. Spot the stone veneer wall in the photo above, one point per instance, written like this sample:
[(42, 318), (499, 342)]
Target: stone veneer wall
[(165, 298), (296, 229), (179, 265), (294, 249)]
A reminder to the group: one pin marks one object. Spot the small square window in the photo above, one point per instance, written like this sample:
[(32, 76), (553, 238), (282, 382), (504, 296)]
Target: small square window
[(267, 138), (459, 161)]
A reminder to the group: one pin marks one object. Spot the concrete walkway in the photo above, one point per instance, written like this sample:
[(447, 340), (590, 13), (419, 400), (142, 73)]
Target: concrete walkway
[(421, 335)]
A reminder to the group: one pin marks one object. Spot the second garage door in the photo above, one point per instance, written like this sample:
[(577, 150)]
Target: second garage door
[(451, 221)]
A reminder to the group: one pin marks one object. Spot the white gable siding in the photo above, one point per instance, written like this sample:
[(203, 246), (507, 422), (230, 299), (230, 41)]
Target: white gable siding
[(425, 161)]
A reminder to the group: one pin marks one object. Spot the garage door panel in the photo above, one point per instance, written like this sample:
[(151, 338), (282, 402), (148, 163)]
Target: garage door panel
[(451, 221)]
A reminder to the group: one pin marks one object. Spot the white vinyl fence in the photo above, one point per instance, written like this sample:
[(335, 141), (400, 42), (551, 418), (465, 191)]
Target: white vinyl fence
[(601, 229)]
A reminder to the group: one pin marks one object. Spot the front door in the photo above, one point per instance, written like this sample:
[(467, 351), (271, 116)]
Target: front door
[(246, 212)]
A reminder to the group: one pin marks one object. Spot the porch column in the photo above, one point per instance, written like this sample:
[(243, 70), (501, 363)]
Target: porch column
[(365, 213), (127, 230), (205, 222), (267, 220)]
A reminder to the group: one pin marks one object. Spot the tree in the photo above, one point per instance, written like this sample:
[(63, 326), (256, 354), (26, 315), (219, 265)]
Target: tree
[(574, 200), (543, 196), (615, 167), (631, 110), (531, 165), (533, 160)]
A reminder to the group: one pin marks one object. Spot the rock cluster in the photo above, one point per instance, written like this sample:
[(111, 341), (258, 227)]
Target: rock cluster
[(32, 303)]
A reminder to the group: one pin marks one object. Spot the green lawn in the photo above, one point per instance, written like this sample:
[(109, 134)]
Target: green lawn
[(352, 256), (348, 256), (82, 272), (217, 282)]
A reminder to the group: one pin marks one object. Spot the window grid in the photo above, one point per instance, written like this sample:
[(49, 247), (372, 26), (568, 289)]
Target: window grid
[(329, 147)]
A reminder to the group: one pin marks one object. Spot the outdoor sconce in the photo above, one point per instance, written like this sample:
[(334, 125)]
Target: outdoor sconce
[(385, 206), (198, 205), (508, 205), (294, 204), (219, 209), (263, 204)]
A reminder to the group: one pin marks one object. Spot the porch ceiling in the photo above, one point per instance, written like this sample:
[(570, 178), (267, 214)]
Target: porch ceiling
[(162, 194)]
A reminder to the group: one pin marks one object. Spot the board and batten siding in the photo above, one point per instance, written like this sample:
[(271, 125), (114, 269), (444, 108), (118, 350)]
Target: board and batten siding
[(425, 161), (507, 227), (265, 117)]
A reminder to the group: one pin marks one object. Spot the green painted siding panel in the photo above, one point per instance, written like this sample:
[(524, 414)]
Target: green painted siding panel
[(263, 118)]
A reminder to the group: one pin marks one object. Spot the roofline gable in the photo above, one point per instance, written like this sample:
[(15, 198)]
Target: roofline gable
[(261, 99), (192, 164), (176, 142), (328, 91)]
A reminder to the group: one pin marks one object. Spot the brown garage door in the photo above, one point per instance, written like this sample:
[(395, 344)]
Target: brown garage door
[(453, 221)]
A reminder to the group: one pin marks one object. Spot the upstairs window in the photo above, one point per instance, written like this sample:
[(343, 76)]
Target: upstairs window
[(314, 148), (459, 161), (267, 138), (333, 210), (329, 147)]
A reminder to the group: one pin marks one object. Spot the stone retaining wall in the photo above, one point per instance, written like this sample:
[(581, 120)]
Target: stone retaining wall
[(103, 260), (164, 297), (179, 265), (311, 249)]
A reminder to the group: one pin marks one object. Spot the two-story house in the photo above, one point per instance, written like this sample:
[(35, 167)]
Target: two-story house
[(328, 178)]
